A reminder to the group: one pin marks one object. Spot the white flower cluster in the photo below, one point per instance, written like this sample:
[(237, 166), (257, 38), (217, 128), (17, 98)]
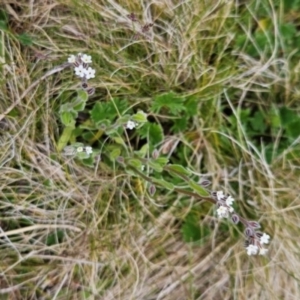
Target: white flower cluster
[(88, 150), (224, 205), (81, 65), (255, 239), (256, 245)]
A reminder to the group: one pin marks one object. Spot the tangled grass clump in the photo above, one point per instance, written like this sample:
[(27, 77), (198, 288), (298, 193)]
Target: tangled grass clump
[(104, 180)]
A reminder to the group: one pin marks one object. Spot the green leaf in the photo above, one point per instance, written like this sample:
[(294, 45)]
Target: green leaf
[(100, 113), (67, 107), (140, 117), (3, 20), (48, 183), (68, 118), (192, 231), (87, 136), (123, 120), (14, 113), (112, 130), (191, 106), (118, 140), (55, 238), (155, 166), (180, 124), (120, 106), (143, 151), (288, 31), (258, 122), (191, 109), (25, 39), (293, 129), (169, 186), (287, 116), (274, 118), (291, 5), (261, 41), (153, 132), (162, 161), (114, 153), (65, 138), (82, 155), (198, 188), (3, 25), (170, 101), (131, 172), (136, 163), (78, 131), (104, 125), (108, 110), (178, 169), (78, 104), (82, 95), (89, 162)]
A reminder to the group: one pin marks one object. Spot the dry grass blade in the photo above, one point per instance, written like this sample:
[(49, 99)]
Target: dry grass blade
[(72, 232)]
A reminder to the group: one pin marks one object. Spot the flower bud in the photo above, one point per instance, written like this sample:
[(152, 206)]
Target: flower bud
[(253, 224), (249, 232), (90, 91), (214, 195), (205, 183), (152, 189), (120, 159), (235, 218), (155, 154), (84, 85)]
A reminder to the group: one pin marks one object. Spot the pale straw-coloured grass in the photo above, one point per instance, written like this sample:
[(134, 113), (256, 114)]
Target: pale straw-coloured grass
[(70, 232)]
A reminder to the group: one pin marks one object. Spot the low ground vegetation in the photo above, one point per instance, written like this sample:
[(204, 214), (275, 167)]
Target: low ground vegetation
[(139, 140)]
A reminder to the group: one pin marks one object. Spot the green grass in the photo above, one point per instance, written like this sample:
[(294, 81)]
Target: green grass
[(219, 81)]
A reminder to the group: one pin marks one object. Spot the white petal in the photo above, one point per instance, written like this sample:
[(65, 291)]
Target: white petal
[(86, 58), (130, 125), (222, 212), (252, 250), (265, 239), (79, 149), (229, 200), (71, 59), (88, 150), (263, 251), (220, 195)]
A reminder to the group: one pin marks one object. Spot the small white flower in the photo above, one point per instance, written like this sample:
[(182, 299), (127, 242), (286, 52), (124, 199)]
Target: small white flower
[(252, 250), (222, 212), (86, 58), (230, 209), (263, 251), (79, 149), (229, 201), (80, 71), (72, 59), (88, 150), (89, 73), (130, 125), (264, 239), (220, 195)]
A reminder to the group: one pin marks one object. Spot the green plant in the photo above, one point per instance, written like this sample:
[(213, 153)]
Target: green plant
[(113, 120)]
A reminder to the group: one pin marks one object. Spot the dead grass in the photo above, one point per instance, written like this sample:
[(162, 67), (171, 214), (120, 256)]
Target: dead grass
[(68, 232)]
